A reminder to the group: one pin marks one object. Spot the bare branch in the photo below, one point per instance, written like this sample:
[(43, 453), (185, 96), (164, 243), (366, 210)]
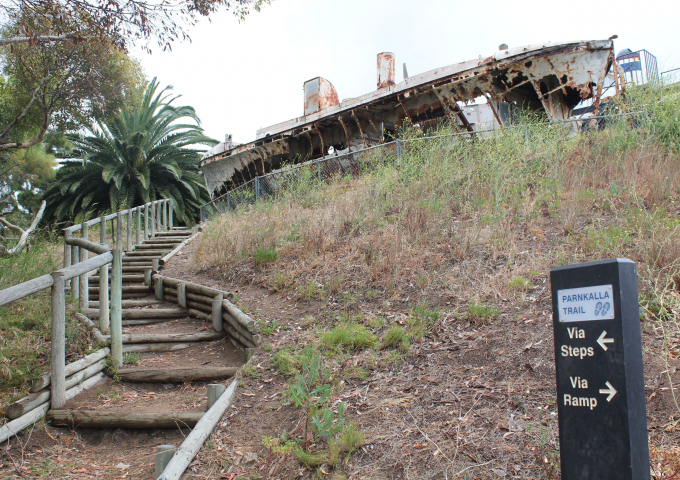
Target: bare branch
[(25, 110), (11, 226), (24, 236)]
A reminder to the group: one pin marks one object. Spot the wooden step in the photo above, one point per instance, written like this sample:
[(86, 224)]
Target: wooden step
[(135, 268), (95, 296), (175, 375), (184, 233), (126, 278), (131, 303), (100, 419), (126, 289), (153, 241), (148, 253), (137, 260), (144, 263), (170, 337), (159, 246), (138, 314)]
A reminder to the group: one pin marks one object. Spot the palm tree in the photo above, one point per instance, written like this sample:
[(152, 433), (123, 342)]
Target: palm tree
[(144, 154)]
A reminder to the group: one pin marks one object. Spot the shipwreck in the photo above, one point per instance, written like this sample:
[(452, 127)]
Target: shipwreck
[(478, 94)]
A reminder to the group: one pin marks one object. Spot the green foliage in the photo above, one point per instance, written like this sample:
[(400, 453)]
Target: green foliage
[(278, 451), (250, 370), (132, 358), (268, 328), (397, 338), (326, 423), (285, 363), (263, 256), (309, 292), (349, 336), (422, 320), (482, 313), (518, 283), (143, 154)]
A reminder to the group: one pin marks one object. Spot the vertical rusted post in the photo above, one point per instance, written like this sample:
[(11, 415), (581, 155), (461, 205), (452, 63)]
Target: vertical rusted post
[(84, 300), (58, 370), (117, 307)]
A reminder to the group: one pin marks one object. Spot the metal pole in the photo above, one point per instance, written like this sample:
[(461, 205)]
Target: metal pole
[(116, 307), (58, 388), (398, 148), (318, 169), (139, 226), (84, 300), (128, 243), (146, 222)]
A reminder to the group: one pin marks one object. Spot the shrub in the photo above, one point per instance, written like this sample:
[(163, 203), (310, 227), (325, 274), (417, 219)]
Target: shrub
[(263, 256), (348, 336), (482, 313), (423, 320), (396, 337)]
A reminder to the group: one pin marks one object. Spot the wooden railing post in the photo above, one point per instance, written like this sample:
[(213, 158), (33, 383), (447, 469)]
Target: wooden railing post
[(75, 283), (84, 300), (58, 389), (165, 215), (217, 312), (170, 211), (67, 253), (104, 290), (159, 225), (146, 222), (153, 219), (116, 307), (102, 231), (119, 231), (128, 243), (139, 227)]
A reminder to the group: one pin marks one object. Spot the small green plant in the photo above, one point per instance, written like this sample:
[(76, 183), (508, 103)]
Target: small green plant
[(422, 320), (279, 450), (326, 423), (372, 294), (279, 282), (268, 328), (309, 292), (251, 371), (132, 358), (285, 363), (349, 336), (263, 256), (519, 284), (267, 347), (376, 322), (482, 313), (397, 338)]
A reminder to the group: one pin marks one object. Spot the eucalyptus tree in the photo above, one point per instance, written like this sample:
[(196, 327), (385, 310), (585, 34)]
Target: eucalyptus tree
[(145, 153)]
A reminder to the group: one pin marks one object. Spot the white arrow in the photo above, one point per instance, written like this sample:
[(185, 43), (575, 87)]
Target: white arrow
[(611, 391), (603, 340)]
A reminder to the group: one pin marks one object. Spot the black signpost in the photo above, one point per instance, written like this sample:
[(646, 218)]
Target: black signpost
[(600, 382)]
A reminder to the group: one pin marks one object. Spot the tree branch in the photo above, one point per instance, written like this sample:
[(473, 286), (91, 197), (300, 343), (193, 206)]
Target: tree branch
[(41, 38), (25, 110), (25, 233), (34, 141)]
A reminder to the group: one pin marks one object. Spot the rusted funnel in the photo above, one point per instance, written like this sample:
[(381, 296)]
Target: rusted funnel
[(385, 69)]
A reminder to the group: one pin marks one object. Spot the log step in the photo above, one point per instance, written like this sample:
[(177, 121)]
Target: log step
[(158, 347), (153, 241), (131, 303), (147, 321), (146, 259), (158, 246), (147, 253), (126, 278), (99, 419), (126, 289), (170, 337), (175, 375), (136, 314), (125, 295), (178, 233)]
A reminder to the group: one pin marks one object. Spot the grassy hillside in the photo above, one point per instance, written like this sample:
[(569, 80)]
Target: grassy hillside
[(453, 240)]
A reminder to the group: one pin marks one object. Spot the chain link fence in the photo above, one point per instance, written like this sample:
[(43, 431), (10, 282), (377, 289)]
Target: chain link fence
[(301, 175)]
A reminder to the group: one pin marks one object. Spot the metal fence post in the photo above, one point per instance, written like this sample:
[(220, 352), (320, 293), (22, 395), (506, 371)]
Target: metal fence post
[(128, 243), (257, 188), (318, 169), (58, 368), (398, 148), (116, 307), (84, 300), (139, 226)]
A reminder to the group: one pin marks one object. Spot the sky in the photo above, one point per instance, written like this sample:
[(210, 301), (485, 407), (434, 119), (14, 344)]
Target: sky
[(243, 76)]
